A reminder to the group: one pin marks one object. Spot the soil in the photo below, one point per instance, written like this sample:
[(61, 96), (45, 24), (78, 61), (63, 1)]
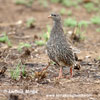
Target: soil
[(84, 85)]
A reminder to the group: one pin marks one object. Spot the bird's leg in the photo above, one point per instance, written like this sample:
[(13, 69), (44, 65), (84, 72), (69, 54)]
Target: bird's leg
[(71, 74), (60, 73), (46, 67)]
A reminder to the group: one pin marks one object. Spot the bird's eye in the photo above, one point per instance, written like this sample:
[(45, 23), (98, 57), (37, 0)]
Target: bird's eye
[(53, 14)]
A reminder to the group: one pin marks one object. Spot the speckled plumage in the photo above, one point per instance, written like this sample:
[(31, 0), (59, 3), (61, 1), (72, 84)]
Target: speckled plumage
[(58, 47)]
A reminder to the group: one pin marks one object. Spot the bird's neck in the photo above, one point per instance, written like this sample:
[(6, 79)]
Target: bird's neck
[(57, 24), (57, 28)]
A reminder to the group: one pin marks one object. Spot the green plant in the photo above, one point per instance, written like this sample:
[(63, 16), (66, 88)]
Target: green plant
[(55, 1), (98, 30), (79, 33), (16, 72), (47, 34), (5, 39), (79, 1), (83, 23), (95, 20), (23, 71), (98, 58), (69, 3), (69, 13), (63, 11), (24, 2), (70, 22), (30, 22), (30, 2), (44, 37), (44, 3), (90, 7), (22, 45), (40, 42), (20, 2)]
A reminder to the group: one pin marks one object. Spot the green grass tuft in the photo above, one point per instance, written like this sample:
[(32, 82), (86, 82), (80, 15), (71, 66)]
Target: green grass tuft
[(90, 7), (40, 42), (44, 3), (63, 11), (98, 30), (95, 20), (80, 33), (70, 22), (55, 1), (16, 72), (5, 39), (69, 13), (69, 3), (44, 37), (98, 58), (22, 45), (24, 2), (83, 23), (30, 22), (23, 71)]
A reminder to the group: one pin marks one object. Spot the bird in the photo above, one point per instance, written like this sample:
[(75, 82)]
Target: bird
[(58, 47)]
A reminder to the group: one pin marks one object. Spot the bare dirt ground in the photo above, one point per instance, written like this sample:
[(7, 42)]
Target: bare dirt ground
[(85, 84)]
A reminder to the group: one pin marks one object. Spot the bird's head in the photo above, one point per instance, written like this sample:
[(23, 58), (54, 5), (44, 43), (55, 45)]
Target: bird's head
[(55, 17)]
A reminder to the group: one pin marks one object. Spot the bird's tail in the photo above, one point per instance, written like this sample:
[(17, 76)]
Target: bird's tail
[(77, 64)]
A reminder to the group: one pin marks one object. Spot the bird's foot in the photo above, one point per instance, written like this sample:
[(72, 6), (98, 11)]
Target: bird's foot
[(60, 74), (69, 77), (60, 77)]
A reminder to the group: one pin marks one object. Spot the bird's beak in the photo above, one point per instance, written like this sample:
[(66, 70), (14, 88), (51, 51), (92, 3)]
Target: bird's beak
[(49, 16)]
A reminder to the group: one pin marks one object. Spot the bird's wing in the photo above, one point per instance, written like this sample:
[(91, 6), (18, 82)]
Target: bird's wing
[(74, 49)]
